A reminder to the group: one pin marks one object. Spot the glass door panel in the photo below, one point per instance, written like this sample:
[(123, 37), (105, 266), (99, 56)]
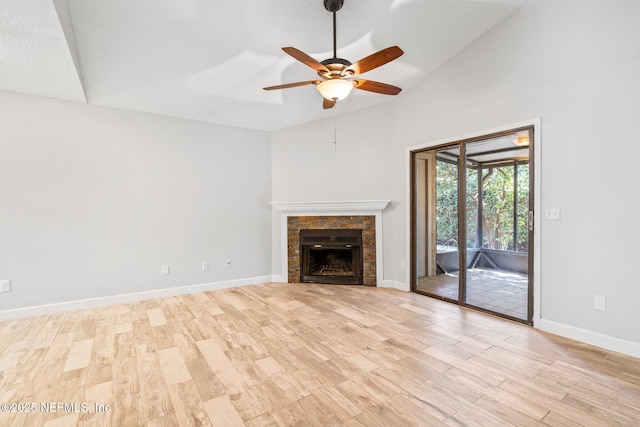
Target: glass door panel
[(498, 192), (436, 213)]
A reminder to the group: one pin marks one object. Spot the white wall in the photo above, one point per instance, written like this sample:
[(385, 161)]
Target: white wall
[(573, 63), (93, 201), (356, 168)]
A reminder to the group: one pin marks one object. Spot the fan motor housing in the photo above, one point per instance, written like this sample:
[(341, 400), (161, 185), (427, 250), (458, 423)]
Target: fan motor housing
[(333, 5), (332, 61), (336, 67)]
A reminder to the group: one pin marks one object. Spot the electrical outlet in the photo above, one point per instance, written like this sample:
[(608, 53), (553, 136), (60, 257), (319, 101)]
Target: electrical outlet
[(552, 214), (600, 302), (227, 263), (403, 265), (205, 265), (164, 270), (5, 286)]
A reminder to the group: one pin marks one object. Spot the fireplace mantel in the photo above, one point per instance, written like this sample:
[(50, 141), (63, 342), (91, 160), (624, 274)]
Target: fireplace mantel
[(331, 208), (368, 206)]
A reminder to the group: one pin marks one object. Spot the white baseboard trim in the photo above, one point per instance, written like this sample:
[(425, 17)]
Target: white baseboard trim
[(394, 284), (598, 339), (127, 298), (277, 278)]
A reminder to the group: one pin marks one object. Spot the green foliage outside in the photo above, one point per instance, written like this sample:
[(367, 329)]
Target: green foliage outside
[(498, 207), (446, 204)]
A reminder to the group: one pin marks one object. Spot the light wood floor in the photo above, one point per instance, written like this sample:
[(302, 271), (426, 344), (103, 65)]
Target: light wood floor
[(281, 354)]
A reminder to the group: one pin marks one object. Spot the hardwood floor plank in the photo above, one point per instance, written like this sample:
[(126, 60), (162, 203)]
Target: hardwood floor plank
[(556, 420), (80, 355), (155, 401), (126, 389), (294, 386), (222, 413), (338, 403), (156, 317), (615, 390), (163, 337), (26, 369), (124, 344), (208, 384), (288, 354), (316, 412), (59, 347), (100, 368), (97, 394), (416, 411), (318, 366), (595, 411), (173, 366), (245, 366), (188, 408), (287, 416), (269, 366), (214, 355), (64, 421), (505, 412)]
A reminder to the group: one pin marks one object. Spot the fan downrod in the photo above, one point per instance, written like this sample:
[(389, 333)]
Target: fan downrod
[(333, 5)]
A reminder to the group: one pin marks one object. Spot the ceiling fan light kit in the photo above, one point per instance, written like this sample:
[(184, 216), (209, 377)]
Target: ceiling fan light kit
[(337, 74), (335, 89)]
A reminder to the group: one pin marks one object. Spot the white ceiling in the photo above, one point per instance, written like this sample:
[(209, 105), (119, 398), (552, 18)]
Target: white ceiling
[(209, 59)]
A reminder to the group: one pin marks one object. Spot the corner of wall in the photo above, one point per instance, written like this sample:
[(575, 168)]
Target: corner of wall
[(395, 284)]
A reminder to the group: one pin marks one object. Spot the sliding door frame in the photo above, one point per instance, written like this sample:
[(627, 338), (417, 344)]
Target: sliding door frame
[(533, 126)]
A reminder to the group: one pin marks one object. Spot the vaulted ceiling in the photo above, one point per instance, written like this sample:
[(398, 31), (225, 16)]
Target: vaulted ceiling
[(208, 60)]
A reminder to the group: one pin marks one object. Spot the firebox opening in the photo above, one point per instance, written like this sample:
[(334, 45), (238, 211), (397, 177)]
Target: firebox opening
[(324, 261), (331, 256)]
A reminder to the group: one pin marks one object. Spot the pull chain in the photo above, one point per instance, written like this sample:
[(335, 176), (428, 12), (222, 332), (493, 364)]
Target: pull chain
[(335, 129)]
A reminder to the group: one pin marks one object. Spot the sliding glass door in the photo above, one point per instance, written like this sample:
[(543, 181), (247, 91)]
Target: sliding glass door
[(472, 207), (437, 255)]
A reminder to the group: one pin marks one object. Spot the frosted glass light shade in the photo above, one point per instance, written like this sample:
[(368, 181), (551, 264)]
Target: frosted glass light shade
[(335, 89)]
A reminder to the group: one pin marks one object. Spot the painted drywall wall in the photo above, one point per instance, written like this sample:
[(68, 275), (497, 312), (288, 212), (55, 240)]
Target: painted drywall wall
[(574, 64), (308, 165), (94, 200)]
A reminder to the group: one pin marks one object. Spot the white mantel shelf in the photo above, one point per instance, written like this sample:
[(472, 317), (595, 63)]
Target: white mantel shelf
[(341, 206), (335, 208)]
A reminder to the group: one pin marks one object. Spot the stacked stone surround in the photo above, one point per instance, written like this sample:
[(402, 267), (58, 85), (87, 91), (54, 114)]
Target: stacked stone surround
[(366, 223)]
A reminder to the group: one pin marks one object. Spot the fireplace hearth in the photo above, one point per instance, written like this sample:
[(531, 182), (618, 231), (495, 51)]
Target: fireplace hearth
[(332, 256)]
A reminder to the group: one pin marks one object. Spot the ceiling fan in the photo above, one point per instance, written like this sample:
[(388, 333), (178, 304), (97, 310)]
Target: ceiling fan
[(337, 74)]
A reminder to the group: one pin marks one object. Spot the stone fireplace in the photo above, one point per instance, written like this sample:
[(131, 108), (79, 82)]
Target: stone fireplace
[(332, 242), (341, 224)]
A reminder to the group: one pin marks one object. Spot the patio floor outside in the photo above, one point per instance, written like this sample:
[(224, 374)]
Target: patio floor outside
[(496, 290)]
